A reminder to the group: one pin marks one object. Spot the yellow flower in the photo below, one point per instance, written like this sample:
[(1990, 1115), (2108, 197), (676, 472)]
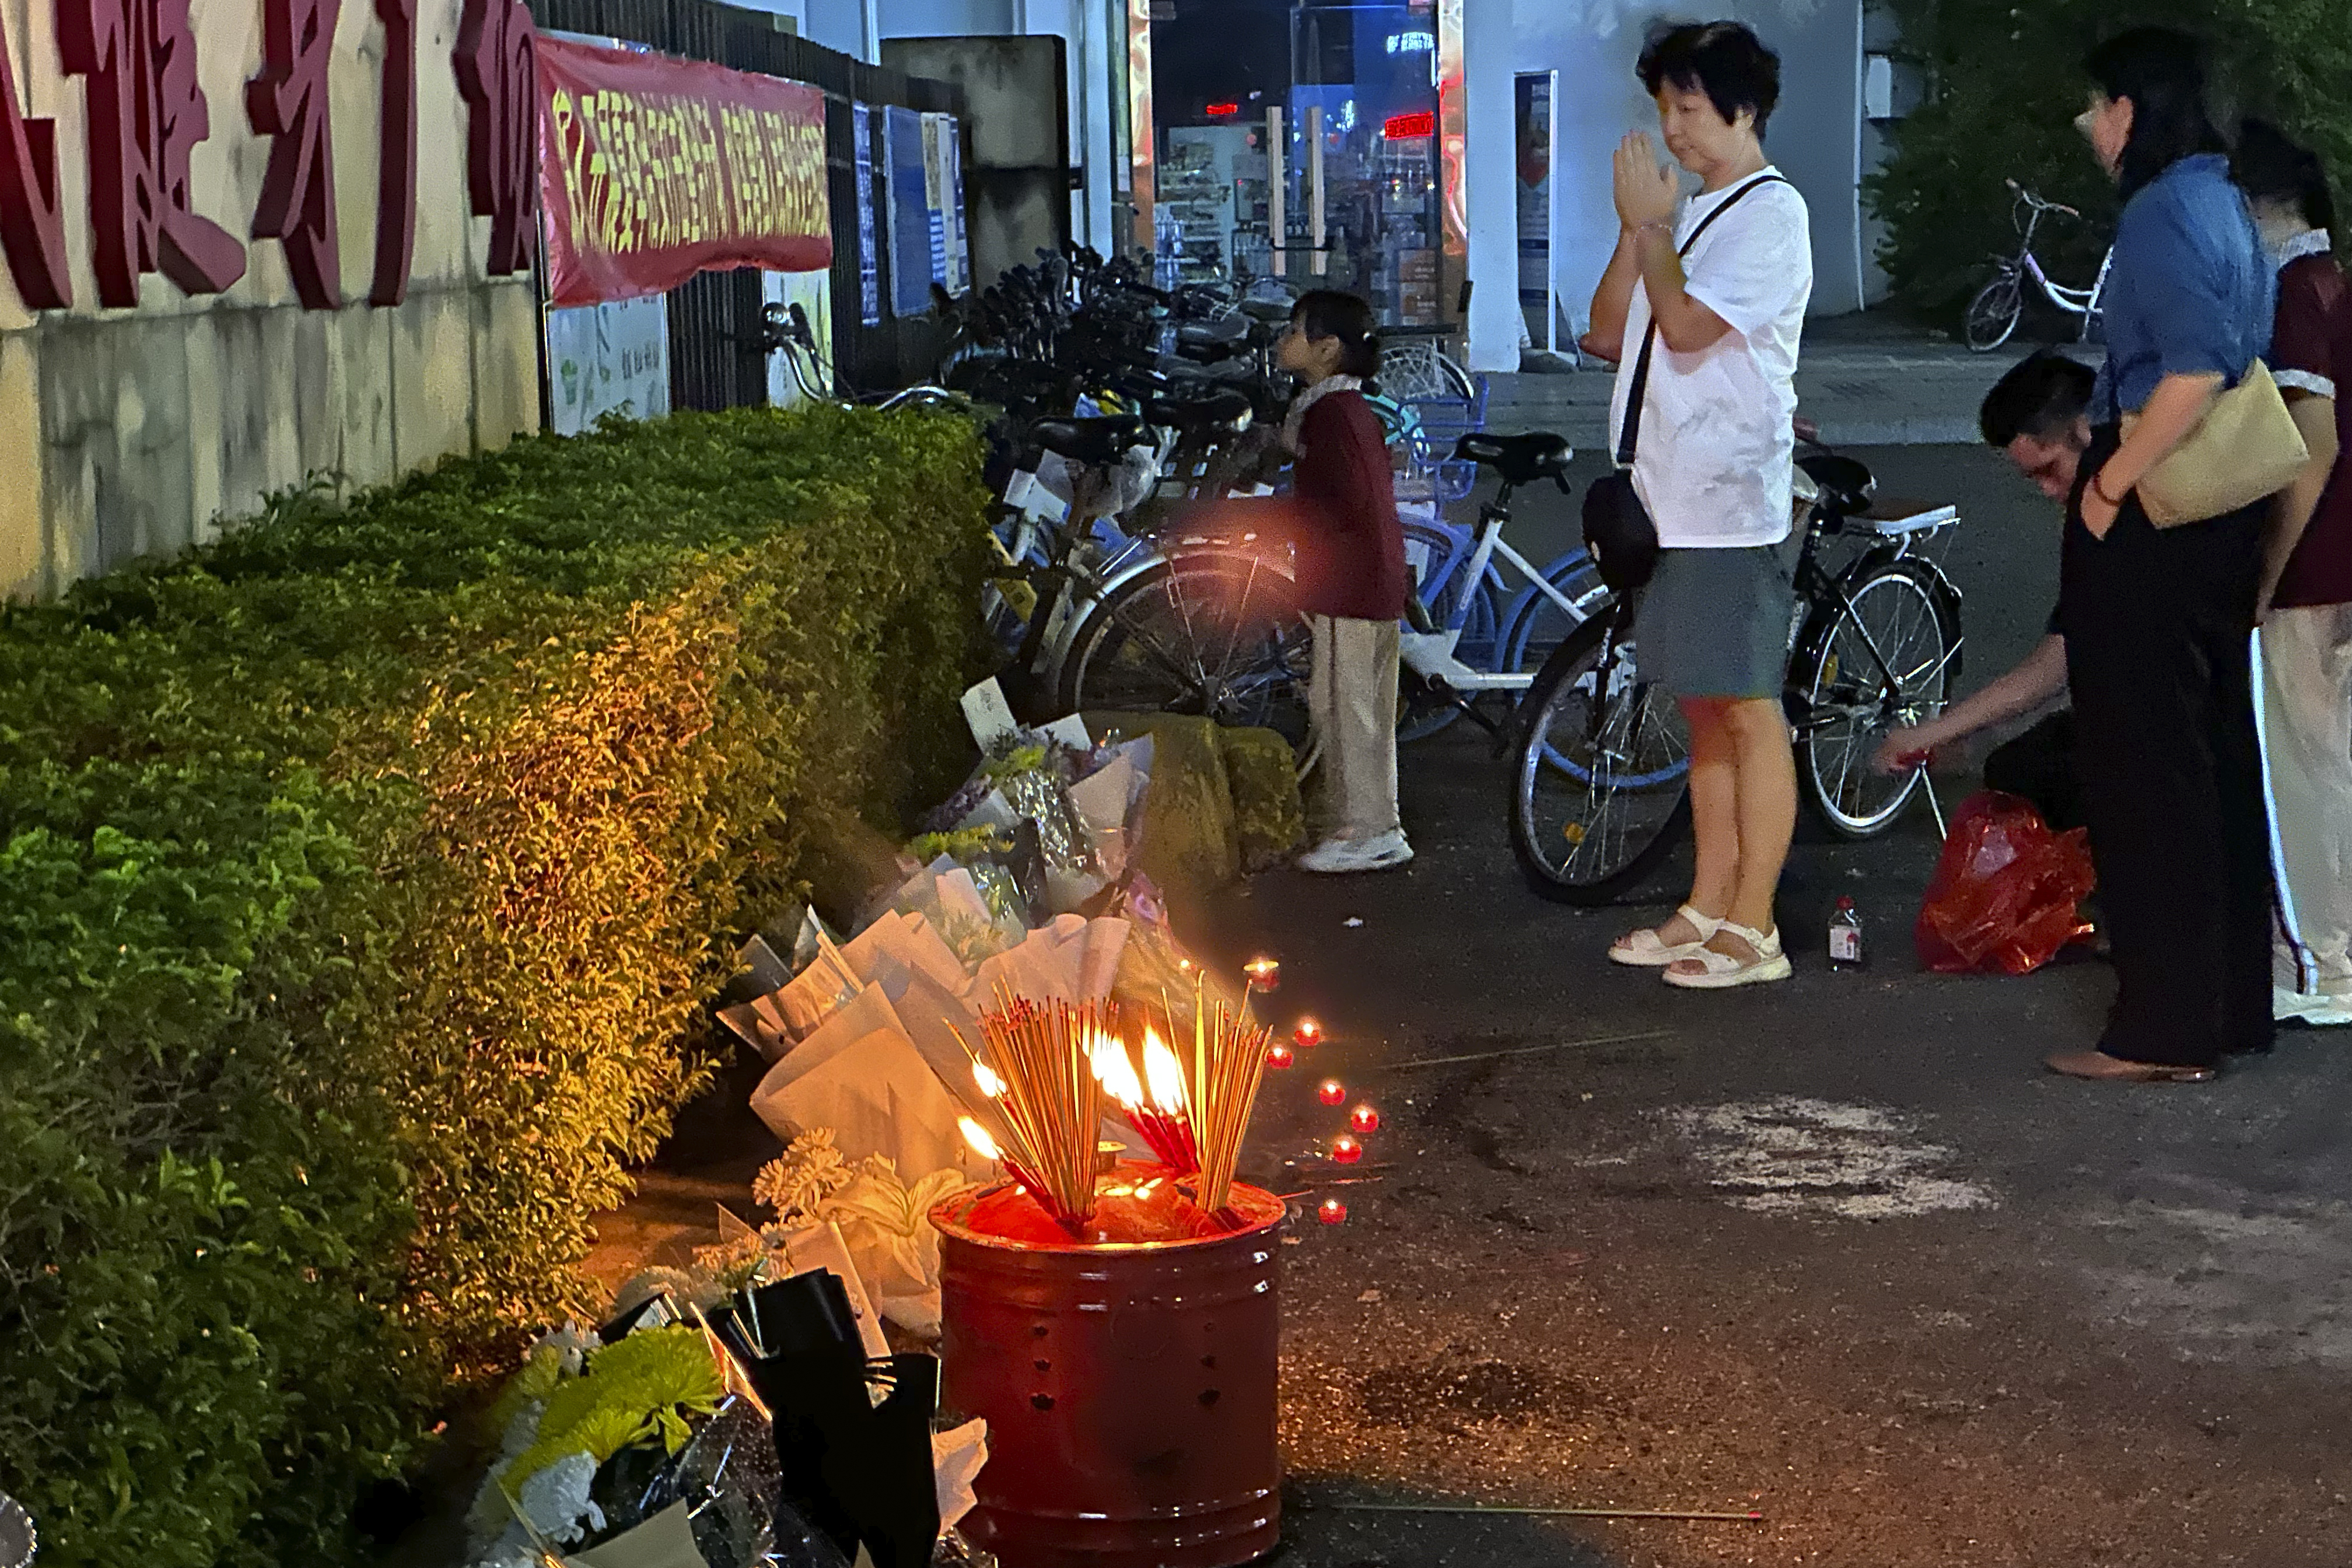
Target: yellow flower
[(642, 1388)]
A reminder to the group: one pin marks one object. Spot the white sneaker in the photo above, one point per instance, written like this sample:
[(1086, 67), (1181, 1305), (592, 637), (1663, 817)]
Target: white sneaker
[(1337, 856)]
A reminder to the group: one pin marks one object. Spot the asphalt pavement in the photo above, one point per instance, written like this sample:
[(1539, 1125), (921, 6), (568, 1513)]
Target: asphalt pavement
[(1837, 1251)]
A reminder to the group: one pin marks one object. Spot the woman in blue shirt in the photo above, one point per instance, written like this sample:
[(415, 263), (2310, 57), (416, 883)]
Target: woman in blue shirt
[(2159, 622)]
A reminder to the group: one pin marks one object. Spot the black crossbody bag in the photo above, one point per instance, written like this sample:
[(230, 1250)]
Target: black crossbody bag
[(1617, 529)]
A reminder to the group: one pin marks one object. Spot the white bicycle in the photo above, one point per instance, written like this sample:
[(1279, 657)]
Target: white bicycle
[(2000, 305)]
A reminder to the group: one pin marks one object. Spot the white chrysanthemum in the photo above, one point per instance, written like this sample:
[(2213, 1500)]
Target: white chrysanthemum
[(557, 1500), (811, 1170)]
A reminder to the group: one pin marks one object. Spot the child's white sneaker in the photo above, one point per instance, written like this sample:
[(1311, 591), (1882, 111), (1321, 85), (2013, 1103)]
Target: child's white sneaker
[(1336, 856)]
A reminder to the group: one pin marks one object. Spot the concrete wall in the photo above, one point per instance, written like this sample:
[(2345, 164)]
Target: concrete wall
[(1814, 135), (131, 432)]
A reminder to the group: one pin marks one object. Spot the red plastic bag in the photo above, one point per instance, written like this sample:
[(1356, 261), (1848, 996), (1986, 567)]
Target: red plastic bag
[(2007, 892)]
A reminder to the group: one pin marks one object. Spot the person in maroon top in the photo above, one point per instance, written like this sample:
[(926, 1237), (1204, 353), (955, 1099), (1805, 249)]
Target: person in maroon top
[(1350, 561), (2305, 681)]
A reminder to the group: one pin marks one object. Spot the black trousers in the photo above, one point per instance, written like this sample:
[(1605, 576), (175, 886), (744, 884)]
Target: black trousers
[(2158, 626), (2038, 766)]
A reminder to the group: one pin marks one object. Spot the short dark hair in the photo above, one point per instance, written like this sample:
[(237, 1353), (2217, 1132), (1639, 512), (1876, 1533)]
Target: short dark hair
[(2162, 71), (2269, 166), (2041, 395), (1330, 313), (1725, 61)]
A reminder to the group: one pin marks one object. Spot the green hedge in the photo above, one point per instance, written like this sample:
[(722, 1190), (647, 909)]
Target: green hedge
[(363, 879), (2006, 81)]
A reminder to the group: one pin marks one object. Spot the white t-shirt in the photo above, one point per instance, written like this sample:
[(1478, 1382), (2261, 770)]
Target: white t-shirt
[(1715, 446)]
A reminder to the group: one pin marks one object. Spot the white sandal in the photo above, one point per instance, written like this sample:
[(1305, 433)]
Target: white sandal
[(1643, 950), (1720, 970)]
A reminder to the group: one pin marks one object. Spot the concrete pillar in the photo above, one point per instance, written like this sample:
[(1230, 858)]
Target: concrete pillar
[(1488, 45)]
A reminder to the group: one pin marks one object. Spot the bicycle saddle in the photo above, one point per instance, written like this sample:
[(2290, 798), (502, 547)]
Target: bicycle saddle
[(1270, 311), (1191, 413), (1519, 460), (1099, 440), (1847, 485), (1223, 330)]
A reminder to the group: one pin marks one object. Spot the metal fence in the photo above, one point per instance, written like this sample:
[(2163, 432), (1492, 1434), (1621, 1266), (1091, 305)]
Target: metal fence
[(716, 360)]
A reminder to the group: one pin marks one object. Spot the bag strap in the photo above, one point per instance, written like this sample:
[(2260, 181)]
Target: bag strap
[(1630, 438)]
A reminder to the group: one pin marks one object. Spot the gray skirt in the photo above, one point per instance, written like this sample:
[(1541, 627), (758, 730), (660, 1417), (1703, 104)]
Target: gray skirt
[(1714, 623)]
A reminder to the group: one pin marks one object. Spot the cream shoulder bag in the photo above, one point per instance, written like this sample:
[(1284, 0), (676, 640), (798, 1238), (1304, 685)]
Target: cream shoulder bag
[(2246, 447)]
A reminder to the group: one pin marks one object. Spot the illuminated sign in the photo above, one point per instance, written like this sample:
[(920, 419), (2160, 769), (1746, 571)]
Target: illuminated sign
[(1404, 127), (1412, 43)]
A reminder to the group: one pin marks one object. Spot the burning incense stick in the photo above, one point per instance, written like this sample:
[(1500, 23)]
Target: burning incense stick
[(1228, 1061), (1039, 1075)]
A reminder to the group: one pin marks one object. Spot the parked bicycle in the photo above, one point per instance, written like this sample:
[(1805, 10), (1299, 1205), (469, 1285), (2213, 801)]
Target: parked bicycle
[(1121, 402), (2000, 305), (1468, 631), (1599, 791)]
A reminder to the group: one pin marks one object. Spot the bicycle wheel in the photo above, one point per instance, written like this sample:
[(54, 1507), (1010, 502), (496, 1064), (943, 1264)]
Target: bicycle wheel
[(1849, 702), (1600, 787), (1454, 380), (1994, 313), (1217, 635), (1408, 371)]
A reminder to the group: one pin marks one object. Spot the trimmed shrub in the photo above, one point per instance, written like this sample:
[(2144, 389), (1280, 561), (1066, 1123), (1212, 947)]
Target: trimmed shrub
[(364, 879)]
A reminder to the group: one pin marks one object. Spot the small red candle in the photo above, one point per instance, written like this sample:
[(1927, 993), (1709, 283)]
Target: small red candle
[(1277, 1055), (1364, 1119), (1346, 1151), (1264, 974), (1333, 1092), (1331, 1211), (1308, 1033)]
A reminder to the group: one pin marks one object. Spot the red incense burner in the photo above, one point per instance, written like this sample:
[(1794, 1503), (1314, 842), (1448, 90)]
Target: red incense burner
[(1127, 1378)]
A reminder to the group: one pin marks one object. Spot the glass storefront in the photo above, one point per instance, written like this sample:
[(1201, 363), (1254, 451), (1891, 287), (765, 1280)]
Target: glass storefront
[(1320, 165)]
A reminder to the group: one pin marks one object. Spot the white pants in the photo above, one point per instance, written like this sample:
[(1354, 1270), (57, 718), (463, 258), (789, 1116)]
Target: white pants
[(1351, 695), (2305, 691)]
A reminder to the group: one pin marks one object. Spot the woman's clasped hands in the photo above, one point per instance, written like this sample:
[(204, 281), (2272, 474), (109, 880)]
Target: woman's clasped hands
[(1646, 191)]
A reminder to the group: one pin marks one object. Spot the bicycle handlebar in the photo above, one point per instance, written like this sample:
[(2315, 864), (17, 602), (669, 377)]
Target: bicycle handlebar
[(2038, 203)]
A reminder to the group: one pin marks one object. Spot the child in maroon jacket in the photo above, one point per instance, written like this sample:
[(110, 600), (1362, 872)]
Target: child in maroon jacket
[(1351, 579)]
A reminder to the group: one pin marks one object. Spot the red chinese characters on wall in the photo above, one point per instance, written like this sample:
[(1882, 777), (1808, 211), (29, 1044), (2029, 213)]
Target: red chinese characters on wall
[(32, 227), (288, 102), (395, 194), (497, 73), (146, 113)]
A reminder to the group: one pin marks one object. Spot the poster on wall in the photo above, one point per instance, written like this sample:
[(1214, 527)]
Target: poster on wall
[(607, 358), (652, 169), (959, 237), (943, 163), (1532, 123), (908, 184), (869, 250), (935, 202)]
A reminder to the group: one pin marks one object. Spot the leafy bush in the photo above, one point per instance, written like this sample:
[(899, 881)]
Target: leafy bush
[(2005, 84), (364, 880)]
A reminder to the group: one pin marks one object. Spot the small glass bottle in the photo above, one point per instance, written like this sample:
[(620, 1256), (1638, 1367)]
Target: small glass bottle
[(1846, 937)]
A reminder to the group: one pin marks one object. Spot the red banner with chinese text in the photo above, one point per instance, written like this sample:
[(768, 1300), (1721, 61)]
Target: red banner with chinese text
[(652, 169)]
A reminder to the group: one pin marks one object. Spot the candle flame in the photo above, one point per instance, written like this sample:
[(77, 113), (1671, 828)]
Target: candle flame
[(985, 1076), (1164, 1073), (977, 1136), (1114, 1071)]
